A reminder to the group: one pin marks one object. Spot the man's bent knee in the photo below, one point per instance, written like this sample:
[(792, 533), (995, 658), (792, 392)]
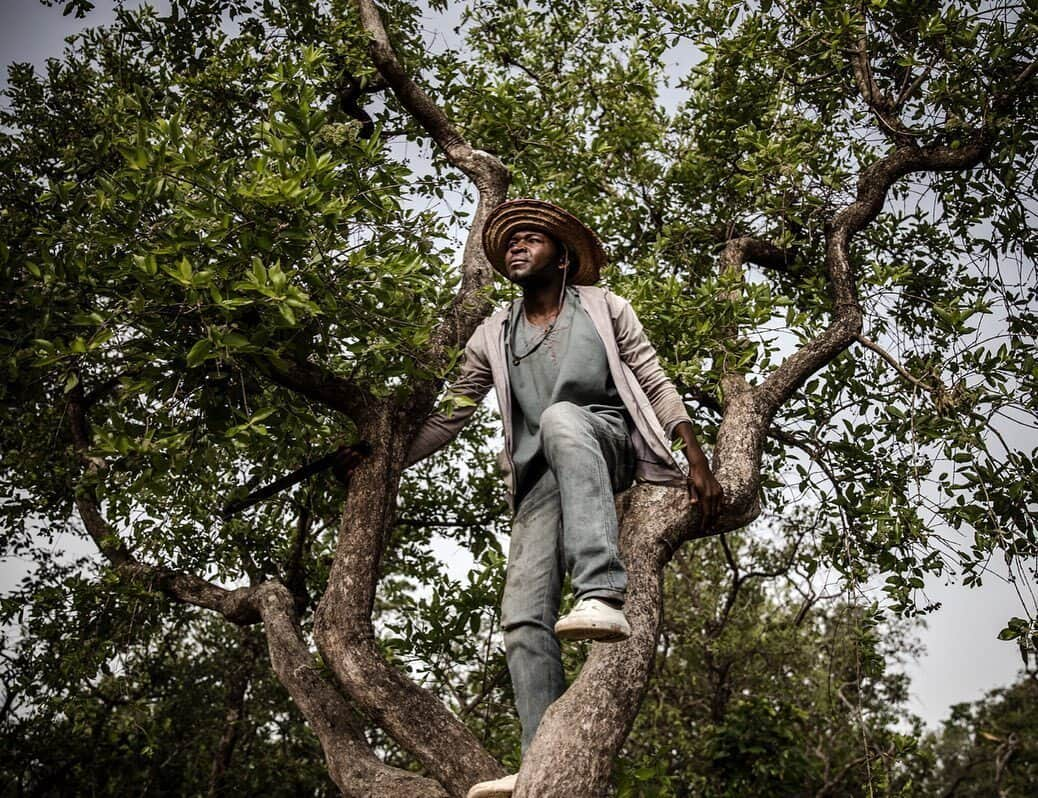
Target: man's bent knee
[(562, 420)]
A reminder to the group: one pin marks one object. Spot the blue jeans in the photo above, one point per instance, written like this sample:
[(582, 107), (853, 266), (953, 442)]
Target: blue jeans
[(566, 522)]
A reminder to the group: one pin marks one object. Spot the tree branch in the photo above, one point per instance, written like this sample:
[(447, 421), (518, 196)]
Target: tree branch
[(344, 633), (314, 382), (499, 678), (354, 768), (479, 166), (343, 460), (878, 102), (487, 173), (746, 249), (873, 184), (235, 605), (868, 343)]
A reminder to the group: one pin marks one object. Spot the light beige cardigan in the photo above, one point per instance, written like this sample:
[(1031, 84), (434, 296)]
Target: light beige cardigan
[(649, 396)]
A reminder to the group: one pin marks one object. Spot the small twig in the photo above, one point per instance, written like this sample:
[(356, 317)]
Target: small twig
[(868, 343)]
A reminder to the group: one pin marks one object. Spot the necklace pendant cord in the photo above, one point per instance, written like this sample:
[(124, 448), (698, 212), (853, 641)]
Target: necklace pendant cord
[(516, 357), (510, 332)]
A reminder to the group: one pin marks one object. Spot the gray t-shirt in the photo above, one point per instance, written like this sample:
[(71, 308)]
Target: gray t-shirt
[(569, 366)]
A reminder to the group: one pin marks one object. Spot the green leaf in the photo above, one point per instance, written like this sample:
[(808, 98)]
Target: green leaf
[(199, 352)]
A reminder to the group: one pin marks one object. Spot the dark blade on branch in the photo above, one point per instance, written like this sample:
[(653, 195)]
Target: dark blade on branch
[(343, 460)]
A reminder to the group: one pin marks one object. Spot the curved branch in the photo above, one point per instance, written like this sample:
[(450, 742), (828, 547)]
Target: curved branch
[(873, 184), (234, 605), (487, 173), (413, 716), (353, 766), (479, 166)]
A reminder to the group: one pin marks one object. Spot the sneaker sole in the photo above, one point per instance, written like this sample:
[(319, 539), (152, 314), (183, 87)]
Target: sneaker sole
[(488, 793), (600, 634)]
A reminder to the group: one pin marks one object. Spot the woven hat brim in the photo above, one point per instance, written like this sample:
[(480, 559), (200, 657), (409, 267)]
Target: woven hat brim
[(518, 214)]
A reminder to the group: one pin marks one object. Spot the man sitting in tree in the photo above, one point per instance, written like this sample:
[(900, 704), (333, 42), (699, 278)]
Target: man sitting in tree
[(586, 409)]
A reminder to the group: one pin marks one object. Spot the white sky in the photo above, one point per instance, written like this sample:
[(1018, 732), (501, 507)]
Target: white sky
[(963, 658)]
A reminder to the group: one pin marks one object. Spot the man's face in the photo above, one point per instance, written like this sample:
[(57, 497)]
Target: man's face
[(529, 256)]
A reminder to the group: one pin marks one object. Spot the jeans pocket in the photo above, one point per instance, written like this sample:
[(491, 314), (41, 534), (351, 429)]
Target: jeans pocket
[(623, 474)]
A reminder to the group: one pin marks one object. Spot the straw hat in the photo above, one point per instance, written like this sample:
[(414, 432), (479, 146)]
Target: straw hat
[(587, 256)]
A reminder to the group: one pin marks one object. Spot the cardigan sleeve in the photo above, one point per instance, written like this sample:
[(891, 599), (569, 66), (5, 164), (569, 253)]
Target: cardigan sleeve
[(472, 384), (640, 356)]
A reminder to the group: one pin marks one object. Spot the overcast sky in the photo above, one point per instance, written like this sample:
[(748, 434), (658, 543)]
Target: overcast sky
[(963, 658)]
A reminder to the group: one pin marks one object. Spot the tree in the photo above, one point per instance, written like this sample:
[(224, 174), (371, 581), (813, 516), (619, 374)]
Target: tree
[(216, 273), (987, 748)]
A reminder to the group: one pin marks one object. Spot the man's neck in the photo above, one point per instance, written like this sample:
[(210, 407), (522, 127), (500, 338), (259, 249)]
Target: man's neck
[(543, 301)]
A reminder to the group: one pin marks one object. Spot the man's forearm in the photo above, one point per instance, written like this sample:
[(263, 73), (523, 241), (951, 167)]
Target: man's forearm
[(693, 451), (438, 430), (703, 488)]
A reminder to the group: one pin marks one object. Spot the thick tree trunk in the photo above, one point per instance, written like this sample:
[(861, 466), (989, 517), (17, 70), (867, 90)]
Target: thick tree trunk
[(414, 717), (355, 769)]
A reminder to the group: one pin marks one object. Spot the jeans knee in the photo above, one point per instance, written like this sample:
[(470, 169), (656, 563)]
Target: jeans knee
[(521, 638), (561, 421)]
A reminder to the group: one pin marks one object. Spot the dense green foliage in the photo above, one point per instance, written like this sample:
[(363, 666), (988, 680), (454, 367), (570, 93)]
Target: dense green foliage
[(195, 204), (989, 745)]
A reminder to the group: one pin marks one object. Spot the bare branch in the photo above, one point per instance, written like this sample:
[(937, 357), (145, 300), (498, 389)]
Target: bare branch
[(868, 343), (913, 87), (343, 460), (295, 567)]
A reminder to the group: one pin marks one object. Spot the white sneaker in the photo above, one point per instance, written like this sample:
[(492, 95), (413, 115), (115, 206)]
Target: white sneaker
[(593, 619), (498, 788)]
